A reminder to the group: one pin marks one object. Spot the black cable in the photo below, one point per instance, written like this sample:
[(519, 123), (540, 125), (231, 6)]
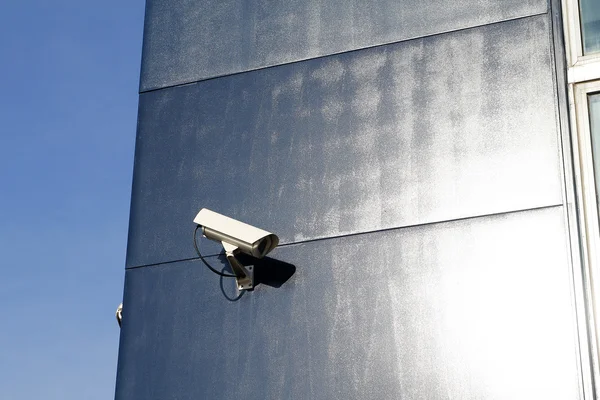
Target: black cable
[(204, 261), (232, 299)]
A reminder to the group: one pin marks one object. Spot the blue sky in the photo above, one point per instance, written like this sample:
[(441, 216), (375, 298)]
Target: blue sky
[(68, 109)]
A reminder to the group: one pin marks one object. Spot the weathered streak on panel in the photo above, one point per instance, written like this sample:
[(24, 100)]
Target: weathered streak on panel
[(473, 309), (188, 40), (399, 135)]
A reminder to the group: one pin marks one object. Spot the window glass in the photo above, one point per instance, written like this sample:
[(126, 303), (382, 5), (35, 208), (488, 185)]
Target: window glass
[(590, 24), (594, 103)]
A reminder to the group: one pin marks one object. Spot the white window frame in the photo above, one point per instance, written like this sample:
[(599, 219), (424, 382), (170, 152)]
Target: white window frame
[(581, 68), (583, 77), (589, 222)]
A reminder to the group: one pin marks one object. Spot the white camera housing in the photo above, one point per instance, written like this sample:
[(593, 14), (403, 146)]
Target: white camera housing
[(237, 236)]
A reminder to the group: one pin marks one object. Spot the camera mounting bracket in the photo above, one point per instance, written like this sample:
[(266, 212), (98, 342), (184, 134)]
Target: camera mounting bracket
[(244, 276)]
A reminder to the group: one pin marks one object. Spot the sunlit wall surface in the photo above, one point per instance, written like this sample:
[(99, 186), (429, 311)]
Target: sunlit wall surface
[(590, 21), (408, 156)]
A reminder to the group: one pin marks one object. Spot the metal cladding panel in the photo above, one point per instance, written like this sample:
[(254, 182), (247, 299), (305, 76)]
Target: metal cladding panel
[(471, 309), (432, 129), (189, 40)]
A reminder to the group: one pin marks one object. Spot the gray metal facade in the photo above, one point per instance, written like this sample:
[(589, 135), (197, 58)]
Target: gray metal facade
[(407, 153)]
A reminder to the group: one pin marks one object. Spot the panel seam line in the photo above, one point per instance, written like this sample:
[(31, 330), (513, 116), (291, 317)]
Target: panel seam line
[(343, 52), (370, 232)]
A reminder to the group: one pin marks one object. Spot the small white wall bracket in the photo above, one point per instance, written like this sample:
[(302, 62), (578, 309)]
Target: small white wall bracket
[(244, 276)]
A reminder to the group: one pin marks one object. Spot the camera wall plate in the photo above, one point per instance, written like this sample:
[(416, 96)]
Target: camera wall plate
[(244, 276)]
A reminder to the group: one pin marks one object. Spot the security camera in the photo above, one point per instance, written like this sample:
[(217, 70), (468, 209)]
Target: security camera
[(247, 238), (237, 236), (119, 314)]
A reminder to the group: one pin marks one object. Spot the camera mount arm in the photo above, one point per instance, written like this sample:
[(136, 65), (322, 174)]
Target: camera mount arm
[(243, 276)]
